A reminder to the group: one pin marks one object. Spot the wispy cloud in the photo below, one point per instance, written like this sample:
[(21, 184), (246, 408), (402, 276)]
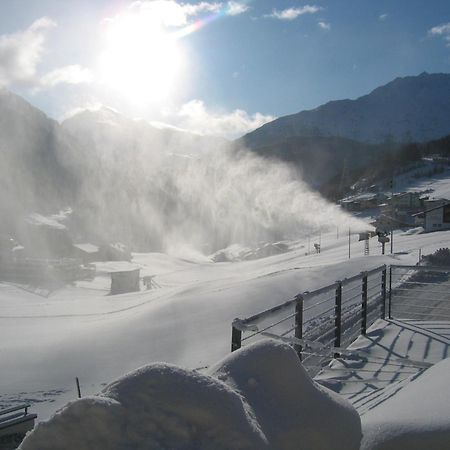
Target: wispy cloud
[(443, 31), (73, 74), (324, 25), (172, 13), (293, 13), (199, 8), (196, 117), (21, 52), (383, 17), (236, 8)]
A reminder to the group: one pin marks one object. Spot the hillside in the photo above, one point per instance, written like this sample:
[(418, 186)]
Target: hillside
[(413, 108)]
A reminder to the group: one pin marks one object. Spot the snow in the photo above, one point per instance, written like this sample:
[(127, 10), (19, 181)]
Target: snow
[(259, 397), (417, 417), (88, 248), (380, 364), (287, 403), (81, 331)]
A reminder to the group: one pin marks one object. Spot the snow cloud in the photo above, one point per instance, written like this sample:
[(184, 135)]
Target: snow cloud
[(294, 13), (443, 31), (21, 52), (196, 117)]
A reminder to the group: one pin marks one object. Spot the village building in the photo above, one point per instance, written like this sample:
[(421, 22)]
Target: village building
[(436, 215), (125, 281), (87, 253), (363, 201)]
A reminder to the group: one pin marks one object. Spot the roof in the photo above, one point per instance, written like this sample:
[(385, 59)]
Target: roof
[(87, 248), (431, 209)]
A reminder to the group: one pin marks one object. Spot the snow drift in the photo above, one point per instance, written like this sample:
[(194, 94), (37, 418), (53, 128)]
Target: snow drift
[(259, 397), (416, 418)]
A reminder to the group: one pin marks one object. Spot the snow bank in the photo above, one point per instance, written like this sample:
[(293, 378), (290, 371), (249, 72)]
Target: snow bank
[(263, 399), (417, 417), (293, 410)]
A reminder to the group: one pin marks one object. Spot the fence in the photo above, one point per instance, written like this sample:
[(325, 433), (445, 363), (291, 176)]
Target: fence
[(419, 292), (321, 322)]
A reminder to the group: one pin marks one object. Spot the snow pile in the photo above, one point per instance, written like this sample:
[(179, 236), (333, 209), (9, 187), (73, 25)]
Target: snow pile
[(417, 417), (292, 409), (262, 399)]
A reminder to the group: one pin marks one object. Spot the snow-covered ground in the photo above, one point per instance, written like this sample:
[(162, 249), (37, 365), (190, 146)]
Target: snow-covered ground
[(81, 331)]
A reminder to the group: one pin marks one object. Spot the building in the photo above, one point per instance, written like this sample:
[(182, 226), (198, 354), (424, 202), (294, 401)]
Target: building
[(436, 215), (125, 281), (362, 201), (88, 253)]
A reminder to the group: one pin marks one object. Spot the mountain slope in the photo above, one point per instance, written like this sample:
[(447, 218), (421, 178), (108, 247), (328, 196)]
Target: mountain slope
[(414, 108)]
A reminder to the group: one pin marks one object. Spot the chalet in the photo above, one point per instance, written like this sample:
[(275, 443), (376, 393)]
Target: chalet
[(436, 215), (362, 201), (43, 237), (88, 253)]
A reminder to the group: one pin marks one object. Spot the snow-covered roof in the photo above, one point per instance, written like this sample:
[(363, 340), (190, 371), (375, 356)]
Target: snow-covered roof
[(87, 248)]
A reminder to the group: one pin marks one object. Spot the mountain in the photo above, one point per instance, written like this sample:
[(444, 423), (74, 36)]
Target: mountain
[(31, 146), (413, 108)]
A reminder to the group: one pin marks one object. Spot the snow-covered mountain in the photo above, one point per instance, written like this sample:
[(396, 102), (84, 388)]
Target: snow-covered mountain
[(413, 108)]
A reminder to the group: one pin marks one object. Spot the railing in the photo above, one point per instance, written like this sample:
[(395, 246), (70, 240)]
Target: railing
[(419, 292), (321, 322)]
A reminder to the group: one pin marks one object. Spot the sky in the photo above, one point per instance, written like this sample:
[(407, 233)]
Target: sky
[(214, 67)]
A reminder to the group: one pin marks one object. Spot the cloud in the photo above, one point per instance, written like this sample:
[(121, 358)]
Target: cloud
[(441, 30), (383, 17), (172, 13), (324, 25), (73, 74), (21, 52), (293, 13), (196, 117), (235, 8), (202, 7)]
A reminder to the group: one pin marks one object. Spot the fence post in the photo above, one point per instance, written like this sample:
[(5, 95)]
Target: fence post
[(337, 317), (383, 293), (364, 304), (298, 332), (390, 293), (236, 338)]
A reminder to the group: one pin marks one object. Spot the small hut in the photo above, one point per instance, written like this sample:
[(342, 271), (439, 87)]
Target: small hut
[(125, 281)]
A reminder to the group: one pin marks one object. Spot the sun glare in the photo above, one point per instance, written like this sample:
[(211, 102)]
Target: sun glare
[(140, 59)]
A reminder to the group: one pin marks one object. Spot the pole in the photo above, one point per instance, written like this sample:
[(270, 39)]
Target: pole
[(236, 338), (338, 317), (364, 304), (78, 387), (392, 240), (390, 293), (298, 332), (383, 293), (349, 243), (309, 244)]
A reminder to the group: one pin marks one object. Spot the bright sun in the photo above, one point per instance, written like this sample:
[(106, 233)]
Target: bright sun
[(140, 59)]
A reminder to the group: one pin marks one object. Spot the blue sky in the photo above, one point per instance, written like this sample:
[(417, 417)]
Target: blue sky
[(210, 66)]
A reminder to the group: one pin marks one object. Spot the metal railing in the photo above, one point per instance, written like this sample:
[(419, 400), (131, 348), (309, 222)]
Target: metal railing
[(419, 292), (320, 323)]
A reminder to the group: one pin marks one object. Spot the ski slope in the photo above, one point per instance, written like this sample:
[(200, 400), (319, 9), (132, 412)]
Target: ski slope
[(81, 331)]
